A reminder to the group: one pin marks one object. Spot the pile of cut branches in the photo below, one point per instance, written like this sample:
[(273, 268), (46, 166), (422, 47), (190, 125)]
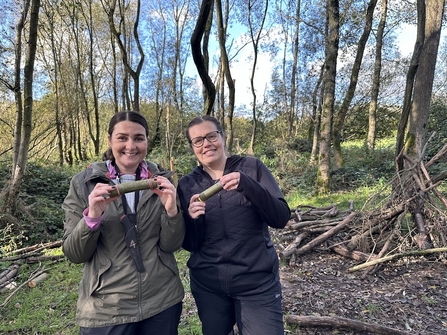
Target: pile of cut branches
[(408, 217)]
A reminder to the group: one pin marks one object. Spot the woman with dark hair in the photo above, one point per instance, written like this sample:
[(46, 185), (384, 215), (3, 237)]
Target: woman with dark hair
[(234, 268), (130, 282)]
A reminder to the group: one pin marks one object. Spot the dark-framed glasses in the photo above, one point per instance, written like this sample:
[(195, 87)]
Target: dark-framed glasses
[(211, 137)]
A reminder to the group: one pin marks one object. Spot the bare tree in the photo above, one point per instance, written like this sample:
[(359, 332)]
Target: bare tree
[(201, 30), (316, 116), (339, 119), (121, 39), (430, 15), (255, 23), (225, 68), (330, 72), (376, 78), (23, 129)]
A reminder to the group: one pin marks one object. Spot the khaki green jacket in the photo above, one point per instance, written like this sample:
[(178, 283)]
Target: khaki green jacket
[(112, 291)]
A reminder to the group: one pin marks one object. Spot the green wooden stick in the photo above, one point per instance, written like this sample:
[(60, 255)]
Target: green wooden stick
[(132, 186), (209, 192)]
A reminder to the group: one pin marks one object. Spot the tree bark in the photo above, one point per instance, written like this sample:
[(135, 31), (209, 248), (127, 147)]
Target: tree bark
[(202, 68), (343, 111), (330, 72), (11, 194), (342, 323), (372, 113), (222, 32)]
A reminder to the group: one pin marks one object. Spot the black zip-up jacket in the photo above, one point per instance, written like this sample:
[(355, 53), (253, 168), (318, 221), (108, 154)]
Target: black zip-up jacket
[(231, 249)]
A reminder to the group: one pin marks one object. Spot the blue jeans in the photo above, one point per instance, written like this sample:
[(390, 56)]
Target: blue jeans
[(257, 314), (164, 323)]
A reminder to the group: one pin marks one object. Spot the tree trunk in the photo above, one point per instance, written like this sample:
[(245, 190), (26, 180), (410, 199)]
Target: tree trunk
[(291, 114), (18, 170), (316, 117), (371, 138), (135, 74), (330, 72), (343, 111), (408, 96), (255, 37), (222, 30), (199, 59)]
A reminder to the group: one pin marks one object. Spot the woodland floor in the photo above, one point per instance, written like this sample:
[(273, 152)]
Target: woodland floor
[(407, 294)]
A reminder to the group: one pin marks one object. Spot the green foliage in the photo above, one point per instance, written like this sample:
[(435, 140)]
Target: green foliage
[(40, 216), (356, 123), (47, 181)]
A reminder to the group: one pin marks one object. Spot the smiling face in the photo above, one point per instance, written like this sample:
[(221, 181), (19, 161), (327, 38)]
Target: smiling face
[(128, 142), (210, 154)]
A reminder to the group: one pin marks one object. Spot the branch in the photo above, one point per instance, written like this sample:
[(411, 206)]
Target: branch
[(391, 257), (338, 322)]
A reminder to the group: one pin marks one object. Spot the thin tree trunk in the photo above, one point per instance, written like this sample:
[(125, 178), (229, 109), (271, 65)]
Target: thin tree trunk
[(343, 111), (255, 43), (222, 29), (332, 39), (372, 115), (203, 21), (18, 170), (408, 96)]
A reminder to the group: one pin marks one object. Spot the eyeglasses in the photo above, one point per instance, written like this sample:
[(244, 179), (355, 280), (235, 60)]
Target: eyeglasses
[(211, 137)]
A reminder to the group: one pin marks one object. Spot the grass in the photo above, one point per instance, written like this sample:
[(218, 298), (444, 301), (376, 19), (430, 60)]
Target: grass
[(50, 307)]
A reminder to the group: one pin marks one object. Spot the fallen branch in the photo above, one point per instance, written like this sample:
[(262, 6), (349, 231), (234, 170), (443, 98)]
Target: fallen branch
[(38, 259), (37, 247), (391, 257), (291, 248), (338, 322), (354, 254)]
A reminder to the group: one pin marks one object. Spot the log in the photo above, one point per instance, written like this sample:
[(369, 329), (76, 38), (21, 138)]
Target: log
[(36, 280), (19, 287), (291, 248), (343, 323), (355, 255), (38, 259)]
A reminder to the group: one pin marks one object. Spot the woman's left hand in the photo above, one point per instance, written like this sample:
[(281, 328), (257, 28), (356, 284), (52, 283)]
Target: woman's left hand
[(168, 195), (230, 181)]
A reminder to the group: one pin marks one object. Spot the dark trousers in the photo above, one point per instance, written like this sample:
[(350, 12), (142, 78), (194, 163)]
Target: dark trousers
[(164, 323), (257, 314)]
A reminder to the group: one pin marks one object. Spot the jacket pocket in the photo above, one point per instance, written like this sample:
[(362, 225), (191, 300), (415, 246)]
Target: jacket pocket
[(96, 276), (168, 260)]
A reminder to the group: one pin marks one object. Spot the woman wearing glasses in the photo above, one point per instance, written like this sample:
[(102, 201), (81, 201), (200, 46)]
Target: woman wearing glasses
[(234, 270)]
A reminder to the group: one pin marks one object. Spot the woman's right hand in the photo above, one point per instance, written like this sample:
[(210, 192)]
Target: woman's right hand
[(196, 208), (99, 199)]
